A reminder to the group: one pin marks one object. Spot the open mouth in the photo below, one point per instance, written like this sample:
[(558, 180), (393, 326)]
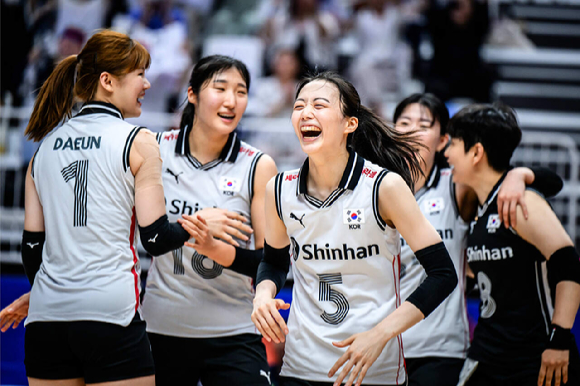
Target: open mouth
[(227, 117), (140, 100), (310, 132)]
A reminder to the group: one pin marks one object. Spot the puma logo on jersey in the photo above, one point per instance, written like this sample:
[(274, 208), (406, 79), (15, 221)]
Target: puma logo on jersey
[(294, 217), (154, 238), (176, 176), (267, 375), (32, 245)]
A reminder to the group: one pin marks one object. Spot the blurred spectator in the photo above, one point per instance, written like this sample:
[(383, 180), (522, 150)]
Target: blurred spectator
[(162, 29), (382, 58), (86, 15), (42, 62), (16, 42), (457, 31), (305, 27), (273, 96)]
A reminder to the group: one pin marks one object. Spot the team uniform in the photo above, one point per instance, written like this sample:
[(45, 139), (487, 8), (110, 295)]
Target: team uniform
[(516, 305), (438, 344), (89, 277), (345, 262), (192, 305)]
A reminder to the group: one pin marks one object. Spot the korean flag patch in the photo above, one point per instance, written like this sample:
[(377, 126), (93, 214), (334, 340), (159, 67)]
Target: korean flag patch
[(493, 223), (353, 216), (434, 205), (228, 184)]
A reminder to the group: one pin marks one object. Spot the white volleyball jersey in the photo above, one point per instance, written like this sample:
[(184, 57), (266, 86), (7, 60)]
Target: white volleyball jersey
[(445, 332), (188, 294), (90, 269), (345, 262)]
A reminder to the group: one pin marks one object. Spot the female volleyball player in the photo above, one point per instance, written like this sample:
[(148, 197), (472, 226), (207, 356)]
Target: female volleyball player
[(338, 219), (91, 181), (436, 347), (528, 275), (198, 301)]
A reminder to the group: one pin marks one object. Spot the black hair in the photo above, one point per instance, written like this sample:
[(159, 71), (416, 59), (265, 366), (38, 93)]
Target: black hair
[(375, 139), (435, 106), (203, 72), (494, 126)]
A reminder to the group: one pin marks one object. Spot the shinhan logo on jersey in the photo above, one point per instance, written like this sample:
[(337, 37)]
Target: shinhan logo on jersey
[(493, 223), (312, 251), (484, 254), (434, 205), (353, 217), (230, 185)]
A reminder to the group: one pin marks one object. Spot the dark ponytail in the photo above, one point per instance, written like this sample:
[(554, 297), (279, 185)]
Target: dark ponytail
[(202, 73), (375, 139)]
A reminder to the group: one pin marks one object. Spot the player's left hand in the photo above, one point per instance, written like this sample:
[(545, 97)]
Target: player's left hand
[(554, 365), (510, 195), (365, 348), (197, 228), (15, 312)]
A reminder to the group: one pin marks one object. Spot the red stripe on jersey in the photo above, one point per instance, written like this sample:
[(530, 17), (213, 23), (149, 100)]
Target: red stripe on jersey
[(396, 278), (133, 270)]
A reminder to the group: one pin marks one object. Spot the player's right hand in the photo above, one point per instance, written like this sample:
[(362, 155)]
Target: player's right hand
[(268, 320), (554, 366), (15, 312), (226, 224)]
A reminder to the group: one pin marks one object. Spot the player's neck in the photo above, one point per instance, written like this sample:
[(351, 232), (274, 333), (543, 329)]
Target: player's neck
[(206, 145), (483, 182), (325, 172)]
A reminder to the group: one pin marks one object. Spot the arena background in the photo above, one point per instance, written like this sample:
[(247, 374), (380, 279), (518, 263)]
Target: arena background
[(523, 53)]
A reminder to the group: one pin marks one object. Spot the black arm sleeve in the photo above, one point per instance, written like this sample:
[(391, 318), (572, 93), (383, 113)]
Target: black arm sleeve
[(546, 181), (274, 266), (162, 236), (246, 261), (441, 278), (31, 249)]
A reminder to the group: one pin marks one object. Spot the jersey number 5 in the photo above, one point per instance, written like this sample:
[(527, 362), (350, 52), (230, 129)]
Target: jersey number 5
[(328, 294), (79, 171)]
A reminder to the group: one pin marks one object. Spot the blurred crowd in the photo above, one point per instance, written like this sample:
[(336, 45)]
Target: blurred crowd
[(384, 46)]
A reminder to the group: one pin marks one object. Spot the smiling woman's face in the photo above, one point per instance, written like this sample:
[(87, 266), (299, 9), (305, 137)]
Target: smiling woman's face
[(317, 117), (221, 102)]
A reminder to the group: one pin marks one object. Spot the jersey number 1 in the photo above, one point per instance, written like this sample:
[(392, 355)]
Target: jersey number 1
[(79, 171), (328, 294)]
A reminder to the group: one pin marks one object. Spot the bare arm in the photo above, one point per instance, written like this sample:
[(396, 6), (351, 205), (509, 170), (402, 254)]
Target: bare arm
[(543, 230), (146, 166), (33, 215), (265, 171), (266, 316)]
